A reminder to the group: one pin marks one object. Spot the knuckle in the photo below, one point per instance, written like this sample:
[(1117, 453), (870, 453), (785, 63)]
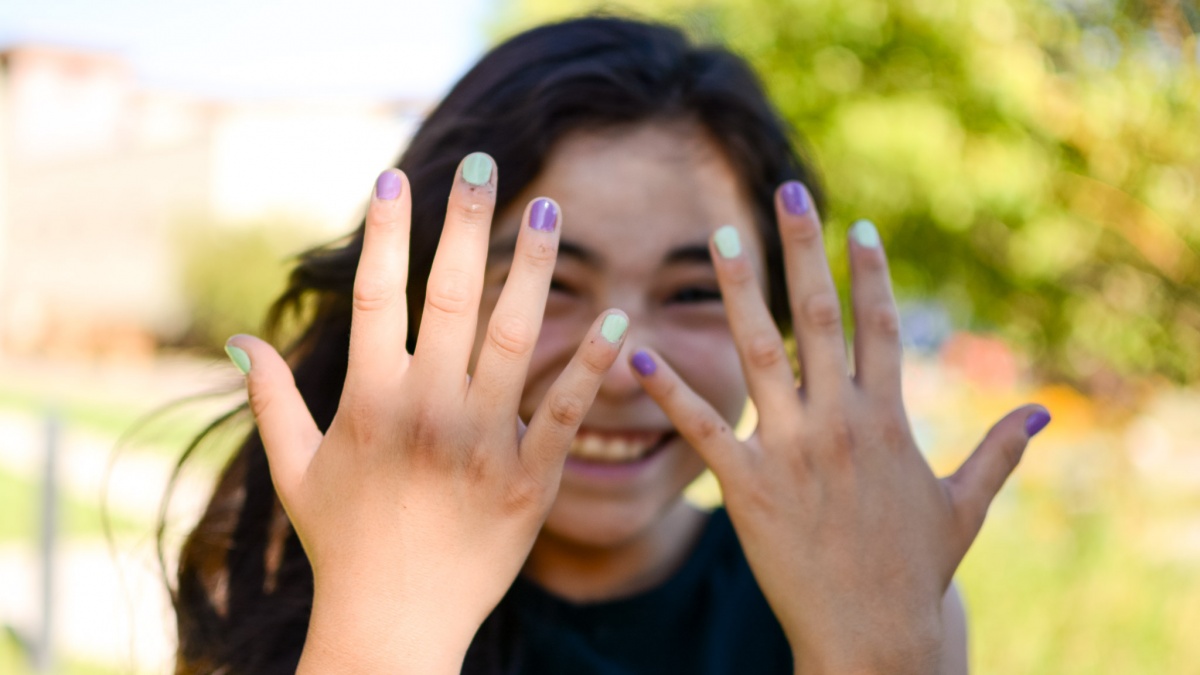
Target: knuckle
[(522, 495), (511, 336), (596, 360), (838, 434), (449, 292), (361, 417), (541, 254), (885, 320), (801, 231), (565, 409), (373, 292), (260, 395), (707, 427), (1011, 452), (740, 273), (765, 351), (666, 389), (473, 206), (822, 311)]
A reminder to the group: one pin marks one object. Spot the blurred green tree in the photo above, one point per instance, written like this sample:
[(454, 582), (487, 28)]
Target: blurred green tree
[(1034, 165)]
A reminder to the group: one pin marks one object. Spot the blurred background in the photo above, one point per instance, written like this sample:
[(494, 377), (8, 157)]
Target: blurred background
[(1034, 166)]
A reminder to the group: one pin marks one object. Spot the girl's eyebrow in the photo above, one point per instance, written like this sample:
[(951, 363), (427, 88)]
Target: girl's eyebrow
[(688, 253), (691, 253)]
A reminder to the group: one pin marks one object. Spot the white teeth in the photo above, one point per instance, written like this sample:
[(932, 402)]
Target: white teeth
[(605, 448)]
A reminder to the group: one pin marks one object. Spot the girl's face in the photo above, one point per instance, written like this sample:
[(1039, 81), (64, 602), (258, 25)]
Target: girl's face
[(638, 207)]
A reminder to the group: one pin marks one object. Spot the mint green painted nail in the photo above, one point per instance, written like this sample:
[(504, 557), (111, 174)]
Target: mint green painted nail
[(239, 357), (477, 168), (614, 327), (863, 232), (727, 241)]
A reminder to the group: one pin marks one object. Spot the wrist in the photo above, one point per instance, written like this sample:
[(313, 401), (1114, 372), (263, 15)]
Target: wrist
[(912, 662), (875, 652), (374, 635)]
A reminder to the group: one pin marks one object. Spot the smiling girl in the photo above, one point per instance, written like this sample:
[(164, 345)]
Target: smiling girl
[(473, 458)]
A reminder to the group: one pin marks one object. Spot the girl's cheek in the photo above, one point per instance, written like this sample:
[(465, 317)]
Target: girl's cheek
[(557, 342), (706, 358)]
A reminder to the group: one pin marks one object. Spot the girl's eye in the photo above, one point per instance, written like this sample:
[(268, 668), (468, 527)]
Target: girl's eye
[(557, 286), (692, 294)]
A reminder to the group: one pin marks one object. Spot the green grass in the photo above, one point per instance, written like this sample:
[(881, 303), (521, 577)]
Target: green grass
[(1054, 593)]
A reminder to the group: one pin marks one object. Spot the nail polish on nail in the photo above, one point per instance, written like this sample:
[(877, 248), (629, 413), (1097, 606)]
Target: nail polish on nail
[(795, 198), (239, 357), (388, 185), (1036, 422), (643, 363), (726, 239), (613, 327), (543, 215), (863, 232), (477, 168)]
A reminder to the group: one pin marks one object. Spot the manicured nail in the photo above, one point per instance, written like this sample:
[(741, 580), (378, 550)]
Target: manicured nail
[(543, 215), (726, 239), (1036, 422), (477, 168), (864, 234), (614, 327), (388, 185), (643, 363), (239, 357), (795, 198)]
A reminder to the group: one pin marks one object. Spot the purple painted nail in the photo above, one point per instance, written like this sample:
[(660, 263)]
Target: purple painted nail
[(543, 215), (1036, 422), (388, 185), (795, 198), (643, 363)]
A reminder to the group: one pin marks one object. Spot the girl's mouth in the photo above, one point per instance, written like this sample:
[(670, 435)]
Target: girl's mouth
[(617, 447)]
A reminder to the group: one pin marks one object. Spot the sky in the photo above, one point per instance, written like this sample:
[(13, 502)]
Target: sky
[(268, 48)]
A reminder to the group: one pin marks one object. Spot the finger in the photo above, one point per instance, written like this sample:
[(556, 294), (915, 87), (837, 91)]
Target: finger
[(694, 418), (979, 479), (816, 312), (877, 350), (379, 323), (513, 329), (558, 416), (455, 284), (759, 344), (288, 432)]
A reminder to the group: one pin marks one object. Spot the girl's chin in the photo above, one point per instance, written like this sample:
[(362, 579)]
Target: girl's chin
[(587, 524)]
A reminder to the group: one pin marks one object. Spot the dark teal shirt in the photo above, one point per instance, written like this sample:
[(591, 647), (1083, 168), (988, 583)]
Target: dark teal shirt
[(709, 618)]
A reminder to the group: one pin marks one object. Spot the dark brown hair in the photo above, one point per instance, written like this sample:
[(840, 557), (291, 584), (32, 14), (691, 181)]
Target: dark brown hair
[(244, 589)]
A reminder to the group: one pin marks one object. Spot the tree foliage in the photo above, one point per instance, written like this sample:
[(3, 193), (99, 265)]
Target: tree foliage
[(1034, 165)]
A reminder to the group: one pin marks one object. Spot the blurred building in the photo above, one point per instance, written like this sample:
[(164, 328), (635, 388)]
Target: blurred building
[(97, 173)]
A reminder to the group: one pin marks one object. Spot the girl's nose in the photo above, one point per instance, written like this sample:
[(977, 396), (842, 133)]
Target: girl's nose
[(621, 381)]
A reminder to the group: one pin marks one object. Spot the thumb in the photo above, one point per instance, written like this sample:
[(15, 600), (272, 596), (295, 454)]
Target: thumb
[(289, 434), (976, 483)]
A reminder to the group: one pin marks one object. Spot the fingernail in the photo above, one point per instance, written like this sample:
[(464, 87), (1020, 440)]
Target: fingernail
[(614, 327), (795, 198), (864, 234), (726, 239), (239, 357), (477, 168), (388, 185), (1036, 422), (643, 363), (543, 215)]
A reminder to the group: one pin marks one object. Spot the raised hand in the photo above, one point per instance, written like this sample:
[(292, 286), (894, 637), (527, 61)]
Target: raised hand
[(419, 505), (850, 535)]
